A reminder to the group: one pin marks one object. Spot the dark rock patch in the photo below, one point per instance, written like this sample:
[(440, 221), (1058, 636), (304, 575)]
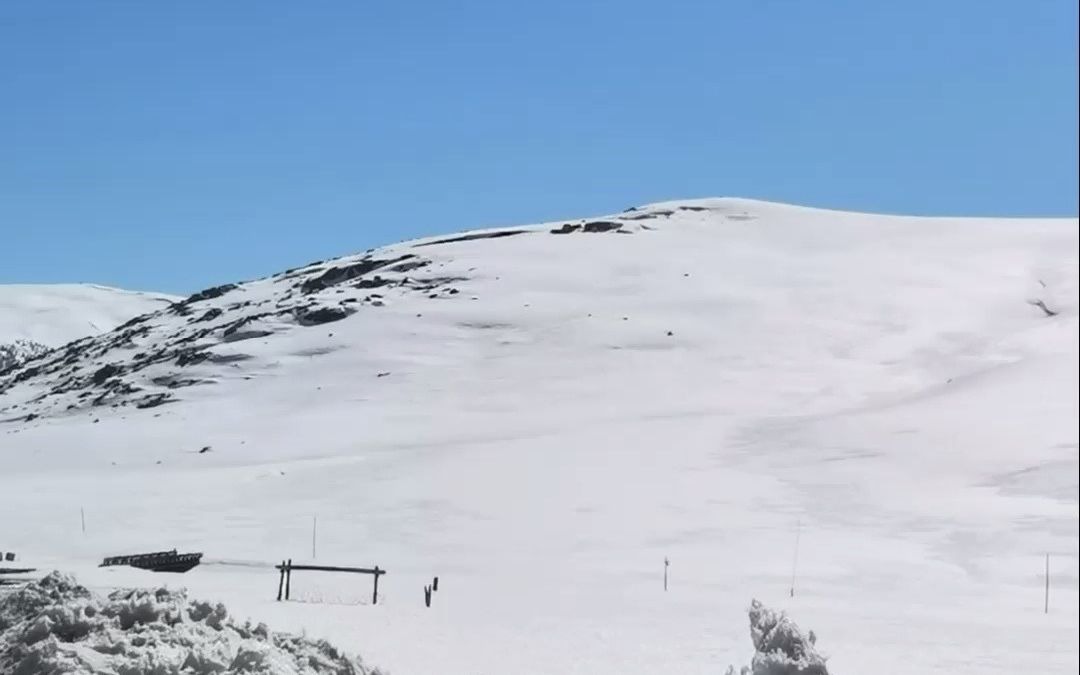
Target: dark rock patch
[(374, 282), (153, 400), (307, 316), (235, 326), (498, 234), (211, 293), (409, 265), (191, 356), (343, 273), (295, 271), (693, 208), (241, 335), (105, 372), (649, 214), (209, 315), (173, 382), (228, 358), (600, 226), (566, 228), (133, 322)]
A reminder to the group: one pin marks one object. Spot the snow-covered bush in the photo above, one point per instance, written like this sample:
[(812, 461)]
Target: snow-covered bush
[(57, 627), (780, 647)]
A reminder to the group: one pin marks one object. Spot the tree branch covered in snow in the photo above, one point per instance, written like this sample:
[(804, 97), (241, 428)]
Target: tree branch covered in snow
[(780, 646), (57, 627)]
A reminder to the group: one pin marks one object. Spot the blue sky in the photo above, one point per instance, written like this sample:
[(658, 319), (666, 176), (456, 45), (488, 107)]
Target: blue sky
[(174, 145)]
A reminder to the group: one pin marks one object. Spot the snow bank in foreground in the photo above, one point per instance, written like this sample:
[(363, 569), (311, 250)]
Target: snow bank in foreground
[(780, 647), (56, 626)]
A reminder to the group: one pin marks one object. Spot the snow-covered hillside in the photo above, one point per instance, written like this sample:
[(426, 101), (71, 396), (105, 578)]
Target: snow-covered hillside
[(37, 317), (541, 415)]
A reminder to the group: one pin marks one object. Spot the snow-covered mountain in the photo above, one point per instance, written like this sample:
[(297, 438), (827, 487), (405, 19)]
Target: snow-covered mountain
[(37, 317), (541, 415)]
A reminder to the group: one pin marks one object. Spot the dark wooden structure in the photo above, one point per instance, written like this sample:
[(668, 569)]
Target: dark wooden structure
[(286, 568), (6, 580), (160, 561)]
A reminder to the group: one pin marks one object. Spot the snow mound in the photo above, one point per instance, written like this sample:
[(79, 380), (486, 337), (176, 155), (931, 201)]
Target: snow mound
[(55, 626), (780, 646)]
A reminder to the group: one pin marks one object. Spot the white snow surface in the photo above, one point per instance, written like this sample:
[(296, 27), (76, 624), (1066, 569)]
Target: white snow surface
[(55, 314), (710, 383)]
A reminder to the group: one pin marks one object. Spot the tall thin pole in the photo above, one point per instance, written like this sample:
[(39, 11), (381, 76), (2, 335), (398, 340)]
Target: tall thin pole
[(82, 517), (314, 524), (666, 563), (795, 559), (1046, 600)]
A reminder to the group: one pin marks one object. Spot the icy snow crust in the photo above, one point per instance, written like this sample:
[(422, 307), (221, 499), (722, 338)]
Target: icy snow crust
[(57, 627), (540, 415)]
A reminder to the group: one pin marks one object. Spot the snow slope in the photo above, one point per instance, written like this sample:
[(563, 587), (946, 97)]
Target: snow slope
[(55, 314), (541, 416), (37, 318)]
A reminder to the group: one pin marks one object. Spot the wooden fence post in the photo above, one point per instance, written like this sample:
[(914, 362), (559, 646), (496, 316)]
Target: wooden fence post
[(281, 580), (375, 595), (288, 577)]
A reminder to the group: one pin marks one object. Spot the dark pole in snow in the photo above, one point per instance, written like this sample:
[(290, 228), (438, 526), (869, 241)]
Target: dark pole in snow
[(288, 577), (666, 563), (281, 581), (82, 517)]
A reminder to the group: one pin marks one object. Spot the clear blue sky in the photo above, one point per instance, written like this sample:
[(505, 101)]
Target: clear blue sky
[(173, 145)]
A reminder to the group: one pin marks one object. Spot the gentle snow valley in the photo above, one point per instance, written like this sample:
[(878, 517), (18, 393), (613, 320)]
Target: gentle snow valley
[(541, 415)]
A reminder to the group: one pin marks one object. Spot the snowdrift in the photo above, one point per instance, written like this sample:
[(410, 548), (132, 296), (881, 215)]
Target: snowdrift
[(57, 627)]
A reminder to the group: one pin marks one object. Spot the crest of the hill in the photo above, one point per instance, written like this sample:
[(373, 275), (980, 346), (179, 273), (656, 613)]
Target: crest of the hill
[(196, 341)]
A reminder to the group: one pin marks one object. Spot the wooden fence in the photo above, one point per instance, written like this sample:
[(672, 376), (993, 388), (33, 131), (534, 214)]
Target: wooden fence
[(286, 568)]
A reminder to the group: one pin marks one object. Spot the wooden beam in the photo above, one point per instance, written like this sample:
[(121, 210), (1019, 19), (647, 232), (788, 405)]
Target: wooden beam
[(329, 568)]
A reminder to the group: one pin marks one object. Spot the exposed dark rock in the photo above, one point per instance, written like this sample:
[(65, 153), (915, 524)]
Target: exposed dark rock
[(649, 214), (187, 357), (240, 323), (693, 208), (105, 372), (566, 228), (307, 316), (343, 273), (131, 322), (600, 226), (228, 358), (210, 293), (241, 335), (209, 315), (152, 401), (410, 265), (374, 282), (498, 234), (174, 382), (295, 271)]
